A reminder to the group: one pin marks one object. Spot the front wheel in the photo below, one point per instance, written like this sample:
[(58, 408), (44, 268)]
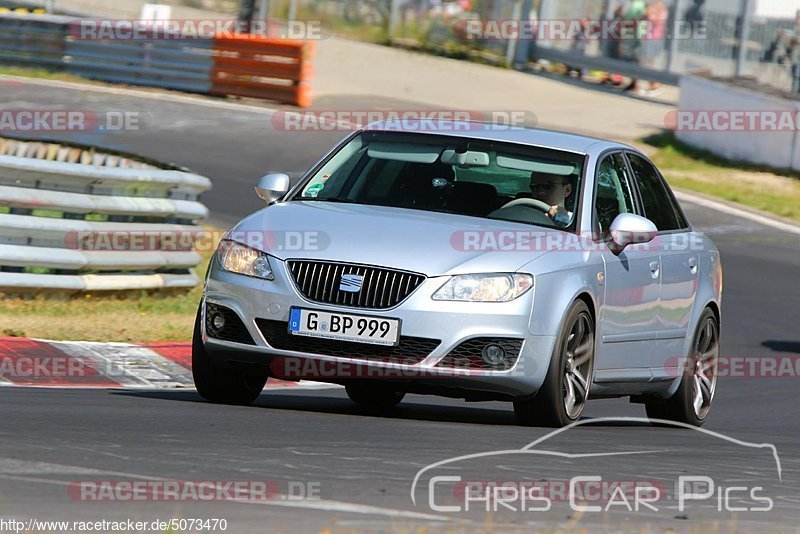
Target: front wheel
[(219, 384), (562, 398), (692, 402), (374, 396)]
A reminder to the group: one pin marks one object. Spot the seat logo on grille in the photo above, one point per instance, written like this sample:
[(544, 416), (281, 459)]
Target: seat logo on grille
[(351, 283)]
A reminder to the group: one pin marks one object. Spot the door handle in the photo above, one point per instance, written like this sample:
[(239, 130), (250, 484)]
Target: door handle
[(654, 268), (693, 265)]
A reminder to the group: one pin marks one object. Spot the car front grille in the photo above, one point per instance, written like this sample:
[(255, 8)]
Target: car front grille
[(320, 281), (410, 351)]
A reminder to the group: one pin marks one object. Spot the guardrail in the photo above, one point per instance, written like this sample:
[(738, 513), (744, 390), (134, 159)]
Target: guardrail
[(73, 226), (178, 65), (240, 65), (32, 41)]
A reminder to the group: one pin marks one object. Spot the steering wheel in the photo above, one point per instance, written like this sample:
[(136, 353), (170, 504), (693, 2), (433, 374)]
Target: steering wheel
[(528, 203)]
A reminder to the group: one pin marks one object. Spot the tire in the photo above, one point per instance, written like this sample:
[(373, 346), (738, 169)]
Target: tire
[(563, 395), (374, 396), (692, 402), (219, 384)]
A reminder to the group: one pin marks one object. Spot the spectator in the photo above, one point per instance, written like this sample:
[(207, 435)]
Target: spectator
[(636, 17), (694, 15), (779, 48), (797, 23), (579, 44), (657, 15), (613, 49), (794, 54), (794, 59), (613, 46), (633, 16)]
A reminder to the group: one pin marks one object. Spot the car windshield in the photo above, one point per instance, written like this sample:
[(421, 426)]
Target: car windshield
[(462, 176)]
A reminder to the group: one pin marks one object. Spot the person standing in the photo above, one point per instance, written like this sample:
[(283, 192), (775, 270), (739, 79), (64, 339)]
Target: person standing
[(794, 59), (247, 12), (694, 15), (634, 15), (657, 15), (794, 54)]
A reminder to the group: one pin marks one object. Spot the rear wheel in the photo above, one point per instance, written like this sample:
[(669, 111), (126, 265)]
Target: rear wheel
[(374, 396), (219, 384), (562, 398), (692, 402)]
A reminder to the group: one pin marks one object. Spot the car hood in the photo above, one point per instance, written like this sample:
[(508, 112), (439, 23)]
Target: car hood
[(425, 242)]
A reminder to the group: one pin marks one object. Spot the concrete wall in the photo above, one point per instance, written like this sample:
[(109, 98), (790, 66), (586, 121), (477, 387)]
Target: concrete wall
[(779, 149)]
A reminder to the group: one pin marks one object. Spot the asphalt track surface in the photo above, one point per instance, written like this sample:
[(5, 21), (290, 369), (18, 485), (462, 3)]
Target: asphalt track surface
[(363, 464)]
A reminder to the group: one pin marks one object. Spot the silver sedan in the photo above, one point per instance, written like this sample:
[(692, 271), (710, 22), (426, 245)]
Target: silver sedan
[(476, 262)]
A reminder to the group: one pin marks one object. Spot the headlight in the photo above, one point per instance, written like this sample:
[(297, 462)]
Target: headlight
[(237, 258), (485, 287)]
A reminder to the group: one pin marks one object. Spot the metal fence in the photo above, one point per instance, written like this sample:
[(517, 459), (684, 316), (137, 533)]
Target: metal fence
[(69, 220), (702, 35), (699, 34)]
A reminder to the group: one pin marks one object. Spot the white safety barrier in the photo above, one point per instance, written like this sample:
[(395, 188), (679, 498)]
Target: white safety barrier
[(87, 227), (738, 123)]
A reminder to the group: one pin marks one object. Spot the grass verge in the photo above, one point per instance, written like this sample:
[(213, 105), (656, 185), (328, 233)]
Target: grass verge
[(26, 72), (756, 186)]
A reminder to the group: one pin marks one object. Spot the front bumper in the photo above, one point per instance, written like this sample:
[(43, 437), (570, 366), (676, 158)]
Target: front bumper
[(453, 323)]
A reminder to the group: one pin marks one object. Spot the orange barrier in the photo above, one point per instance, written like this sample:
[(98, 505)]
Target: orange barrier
[(259, 67)]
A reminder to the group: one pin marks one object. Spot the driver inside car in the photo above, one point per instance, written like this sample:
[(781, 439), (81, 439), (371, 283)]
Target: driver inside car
[(553, 190)]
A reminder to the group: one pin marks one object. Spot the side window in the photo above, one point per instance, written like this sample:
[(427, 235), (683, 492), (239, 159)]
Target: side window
[(613, 195), (658, 204)]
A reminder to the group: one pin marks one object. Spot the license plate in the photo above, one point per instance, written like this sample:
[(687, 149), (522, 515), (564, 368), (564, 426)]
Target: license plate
[(344, 327)]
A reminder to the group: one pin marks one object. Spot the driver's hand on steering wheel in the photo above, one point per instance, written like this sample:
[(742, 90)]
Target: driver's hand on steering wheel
[(555, 211), (559, 215)]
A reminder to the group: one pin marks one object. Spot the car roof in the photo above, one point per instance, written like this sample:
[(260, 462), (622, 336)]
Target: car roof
[(579, 144)]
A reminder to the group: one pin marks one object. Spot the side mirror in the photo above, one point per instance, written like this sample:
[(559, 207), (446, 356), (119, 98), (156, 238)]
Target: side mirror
[(629, 229), (272, 187)]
